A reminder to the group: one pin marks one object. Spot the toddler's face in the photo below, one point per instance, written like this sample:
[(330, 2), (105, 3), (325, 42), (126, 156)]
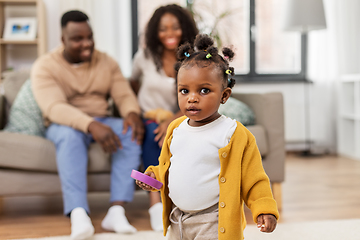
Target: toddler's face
[(200, 92)]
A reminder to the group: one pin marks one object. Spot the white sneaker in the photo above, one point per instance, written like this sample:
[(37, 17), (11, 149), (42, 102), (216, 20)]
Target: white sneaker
[(81, 226), (116, 221), (156, 220)]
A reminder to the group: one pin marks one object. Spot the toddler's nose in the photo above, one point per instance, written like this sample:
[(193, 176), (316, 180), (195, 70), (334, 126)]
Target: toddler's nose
[(193, 98)]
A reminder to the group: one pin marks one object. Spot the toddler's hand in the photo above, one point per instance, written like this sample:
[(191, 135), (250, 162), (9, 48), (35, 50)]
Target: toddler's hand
[(144, 186), (266, 222)]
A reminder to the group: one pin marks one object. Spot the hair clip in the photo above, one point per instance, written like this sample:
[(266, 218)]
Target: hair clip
[(228, 71), (187, 54), (208, 56), (226, 57), (229, 80)]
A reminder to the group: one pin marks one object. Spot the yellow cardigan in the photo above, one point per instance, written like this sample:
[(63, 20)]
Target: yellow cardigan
[(241, 179)]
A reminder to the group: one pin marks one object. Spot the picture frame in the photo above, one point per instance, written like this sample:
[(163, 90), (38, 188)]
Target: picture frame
[(23, 29)]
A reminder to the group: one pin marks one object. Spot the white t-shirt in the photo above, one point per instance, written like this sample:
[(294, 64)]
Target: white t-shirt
[(157, 90), (195, 164)]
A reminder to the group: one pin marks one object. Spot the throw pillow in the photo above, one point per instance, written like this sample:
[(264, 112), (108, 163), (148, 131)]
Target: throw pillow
[(25, 115), (238, 110)]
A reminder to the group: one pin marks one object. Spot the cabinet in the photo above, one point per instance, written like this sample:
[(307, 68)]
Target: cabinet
[(40, 41), (349, 116)]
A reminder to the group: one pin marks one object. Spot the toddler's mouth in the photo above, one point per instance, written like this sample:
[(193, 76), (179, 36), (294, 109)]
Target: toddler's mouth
[(193, 110)]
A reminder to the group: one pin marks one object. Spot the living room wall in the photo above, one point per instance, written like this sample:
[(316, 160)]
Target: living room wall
[(112, 30)]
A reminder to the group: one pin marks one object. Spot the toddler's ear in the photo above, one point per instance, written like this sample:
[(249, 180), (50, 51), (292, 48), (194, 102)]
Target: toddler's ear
[(225, 95)]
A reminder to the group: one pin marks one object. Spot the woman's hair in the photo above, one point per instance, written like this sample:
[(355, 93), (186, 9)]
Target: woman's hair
[(205, 54), (188, 27)]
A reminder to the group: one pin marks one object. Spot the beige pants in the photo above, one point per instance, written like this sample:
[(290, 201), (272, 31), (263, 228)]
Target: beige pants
[(201, 225)]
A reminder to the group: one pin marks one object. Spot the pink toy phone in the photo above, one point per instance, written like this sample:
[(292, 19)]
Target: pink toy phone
[(146, 179)]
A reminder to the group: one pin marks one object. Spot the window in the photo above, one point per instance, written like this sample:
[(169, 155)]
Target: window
[(276, 51), (229, 25), (264, 52)]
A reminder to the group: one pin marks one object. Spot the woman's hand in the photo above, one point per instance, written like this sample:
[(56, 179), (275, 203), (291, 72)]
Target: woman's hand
[(160, 132), (144, 186)]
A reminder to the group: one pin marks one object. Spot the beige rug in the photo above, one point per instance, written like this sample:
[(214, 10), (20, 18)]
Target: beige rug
[(329, 230), (320, 230), (140, 235)]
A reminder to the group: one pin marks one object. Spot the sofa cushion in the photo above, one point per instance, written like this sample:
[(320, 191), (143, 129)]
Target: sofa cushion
[(99, 161), (40, 183), (20, 182), (12, 83), (20, 151), (260, 135), (25, 115), (3, 118), (237, 110)]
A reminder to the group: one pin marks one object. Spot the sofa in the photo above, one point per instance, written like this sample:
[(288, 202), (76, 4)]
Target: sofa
[(28, 163)]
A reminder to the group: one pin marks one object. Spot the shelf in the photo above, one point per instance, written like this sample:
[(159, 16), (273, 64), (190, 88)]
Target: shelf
[(347, 98), (351, 78), (40, 42), (347, 138), (18, 1), (349, 116), (23, 42)]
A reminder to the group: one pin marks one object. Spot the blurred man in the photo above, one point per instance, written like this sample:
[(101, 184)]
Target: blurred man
[(72, 85)]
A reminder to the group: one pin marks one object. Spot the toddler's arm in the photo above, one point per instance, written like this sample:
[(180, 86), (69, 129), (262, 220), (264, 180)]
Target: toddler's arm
[(266, 222), (145, 186)]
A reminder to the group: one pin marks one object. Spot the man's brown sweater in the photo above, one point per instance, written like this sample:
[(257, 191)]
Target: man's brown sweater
[(72, 95)]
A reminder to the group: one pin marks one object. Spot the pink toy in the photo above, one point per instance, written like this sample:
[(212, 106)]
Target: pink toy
[(146, 179)]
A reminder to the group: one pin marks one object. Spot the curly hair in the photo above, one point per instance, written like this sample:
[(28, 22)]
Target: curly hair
[(154, 47), (205, 54)]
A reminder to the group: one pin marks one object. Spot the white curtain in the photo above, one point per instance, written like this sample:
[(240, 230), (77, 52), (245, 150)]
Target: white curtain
[(111, 23), (331, 53)]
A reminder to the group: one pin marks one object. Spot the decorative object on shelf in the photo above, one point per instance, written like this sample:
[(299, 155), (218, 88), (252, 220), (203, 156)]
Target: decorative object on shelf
[(36, 37), (304, 16), (20, 29)]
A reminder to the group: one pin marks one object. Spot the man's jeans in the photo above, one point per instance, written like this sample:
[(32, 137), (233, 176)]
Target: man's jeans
[(72, 160)]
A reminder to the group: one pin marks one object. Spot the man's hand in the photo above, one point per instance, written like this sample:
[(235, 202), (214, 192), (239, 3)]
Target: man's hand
[(266, 222), (134, 121), (104, 135)]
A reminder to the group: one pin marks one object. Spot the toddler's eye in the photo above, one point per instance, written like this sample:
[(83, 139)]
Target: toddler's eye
[(184, 91), (204, 91)]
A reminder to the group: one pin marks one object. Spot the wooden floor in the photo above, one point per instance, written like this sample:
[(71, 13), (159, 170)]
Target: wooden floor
[(318, 188)]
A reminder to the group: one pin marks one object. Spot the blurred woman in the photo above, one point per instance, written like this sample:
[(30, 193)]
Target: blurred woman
[(153, 80)]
